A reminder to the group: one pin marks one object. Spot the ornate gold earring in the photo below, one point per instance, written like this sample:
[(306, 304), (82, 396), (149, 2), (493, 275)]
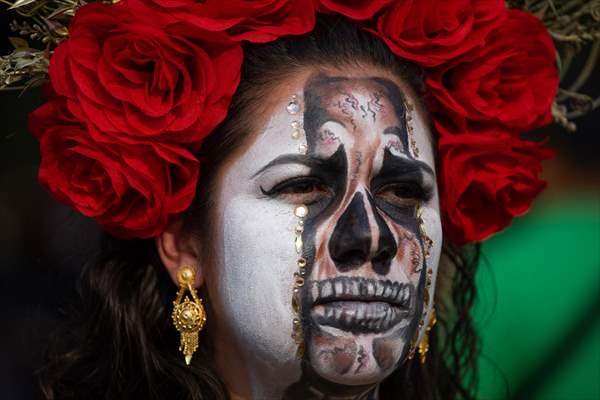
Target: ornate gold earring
[(424, 343), (188, 315)]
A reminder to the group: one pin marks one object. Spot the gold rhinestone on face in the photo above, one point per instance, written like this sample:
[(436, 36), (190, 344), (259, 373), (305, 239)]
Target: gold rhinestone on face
[(413, 143), (301, 211), (414, 148), (298, 243), (427, 241)]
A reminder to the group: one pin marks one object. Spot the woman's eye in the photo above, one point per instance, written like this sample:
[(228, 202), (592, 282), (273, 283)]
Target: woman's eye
[(299, 190), (301, 187), (402, 195)]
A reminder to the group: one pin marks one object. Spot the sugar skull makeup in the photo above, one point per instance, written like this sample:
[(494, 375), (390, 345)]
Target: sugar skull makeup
[(363, 165)]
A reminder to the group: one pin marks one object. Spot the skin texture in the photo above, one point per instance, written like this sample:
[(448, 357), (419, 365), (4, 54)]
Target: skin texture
[(363, 294)]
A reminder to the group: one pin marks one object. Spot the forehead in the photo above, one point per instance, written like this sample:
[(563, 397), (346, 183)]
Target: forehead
[(329, 105), (349, 111), (351, 97)]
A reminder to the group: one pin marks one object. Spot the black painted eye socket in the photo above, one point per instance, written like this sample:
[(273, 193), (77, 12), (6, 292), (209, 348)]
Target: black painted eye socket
[(300, 190), (403, 194)]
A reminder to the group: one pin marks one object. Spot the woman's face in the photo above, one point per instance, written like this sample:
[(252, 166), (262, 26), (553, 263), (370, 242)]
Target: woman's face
[(363, 165)]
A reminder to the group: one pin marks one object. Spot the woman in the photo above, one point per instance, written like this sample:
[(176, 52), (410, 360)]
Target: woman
[(315, 233)]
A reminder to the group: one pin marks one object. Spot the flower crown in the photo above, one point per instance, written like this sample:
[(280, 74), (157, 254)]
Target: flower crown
[(137, 85)]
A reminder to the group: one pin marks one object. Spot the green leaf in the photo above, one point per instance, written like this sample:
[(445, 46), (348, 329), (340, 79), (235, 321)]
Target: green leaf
[(18, 43)]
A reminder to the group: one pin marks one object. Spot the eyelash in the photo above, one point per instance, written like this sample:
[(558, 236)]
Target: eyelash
[(404, 194), (309, 190), (295, 190)]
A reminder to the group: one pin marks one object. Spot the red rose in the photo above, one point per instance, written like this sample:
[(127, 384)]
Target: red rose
[(252, 20), (354, 9), (486, 179), (512, 79), (431, 32), (134, 79), (130, 189)]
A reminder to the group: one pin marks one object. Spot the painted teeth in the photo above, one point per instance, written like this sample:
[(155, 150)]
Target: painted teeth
[(395, 289), (338, 289), (363, 290), (361, 313), (353, 287), (314, 289), (345, 287), (370, 288), (325, 289), (387, 293), (364, 318)]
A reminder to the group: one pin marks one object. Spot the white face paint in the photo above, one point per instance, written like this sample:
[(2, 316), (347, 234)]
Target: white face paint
[(363, 297)]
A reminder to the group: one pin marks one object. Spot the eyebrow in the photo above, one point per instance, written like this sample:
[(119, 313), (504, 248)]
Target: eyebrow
[(393, 166), (303, 159)]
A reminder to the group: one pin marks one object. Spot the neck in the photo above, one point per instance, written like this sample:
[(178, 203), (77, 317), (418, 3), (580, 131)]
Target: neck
[(310, 386), (302, 382)]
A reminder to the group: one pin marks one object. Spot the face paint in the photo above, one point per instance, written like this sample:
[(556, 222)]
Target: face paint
[(350, 162)]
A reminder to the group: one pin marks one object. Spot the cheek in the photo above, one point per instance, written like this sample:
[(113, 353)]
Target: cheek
[(433, 227), (254, 274), (409, 257)]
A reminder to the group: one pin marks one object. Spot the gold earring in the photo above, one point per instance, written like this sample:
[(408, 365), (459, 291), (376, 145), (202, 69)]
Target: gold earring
[(424, 343), (188, 315)]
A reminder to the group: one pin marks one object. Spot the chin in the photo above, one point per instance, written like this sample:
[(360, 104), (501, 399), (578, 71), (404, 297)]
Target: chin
[(364, 354)]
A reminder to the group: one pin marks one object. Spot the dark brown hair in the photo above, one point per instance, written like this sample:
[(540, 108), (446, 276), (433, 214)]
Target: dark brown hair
[(119, 341)]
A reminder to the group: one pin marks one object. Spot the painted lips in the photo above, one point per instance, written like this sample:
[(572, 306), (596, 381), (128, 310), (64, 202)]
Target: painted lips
[(360, 305)]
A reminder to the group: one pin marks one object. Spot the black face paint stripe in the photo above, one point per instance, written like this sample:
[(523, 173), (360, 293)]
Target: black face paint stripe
[(333, 174), (335, 170), (394, 167)]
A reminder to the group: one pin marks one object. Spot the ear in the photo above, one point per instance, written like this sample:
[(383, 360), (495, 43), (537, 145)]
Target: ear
[(176, 248)]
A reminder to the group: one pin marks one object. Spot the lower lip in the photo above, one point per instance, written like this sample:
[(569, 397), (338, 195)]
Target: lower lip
[(358, 316)]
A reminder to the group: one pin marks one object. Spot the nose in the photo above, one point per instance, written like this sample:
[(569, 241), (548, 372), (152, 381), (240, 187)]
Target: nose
[(350, 245)]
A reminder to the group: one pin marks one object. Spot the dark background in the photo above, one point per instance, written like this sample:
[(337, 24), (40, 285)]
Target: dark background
[(43, 244)]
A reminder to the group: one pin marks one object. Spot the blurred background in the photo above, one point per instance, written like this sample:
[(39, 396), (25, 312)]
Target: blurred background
[(538, 309)]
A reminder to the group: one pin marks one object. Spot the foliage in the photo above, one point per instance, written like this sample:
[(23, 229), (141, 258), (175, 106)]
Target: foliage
[(43, 23), (575, 28)]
